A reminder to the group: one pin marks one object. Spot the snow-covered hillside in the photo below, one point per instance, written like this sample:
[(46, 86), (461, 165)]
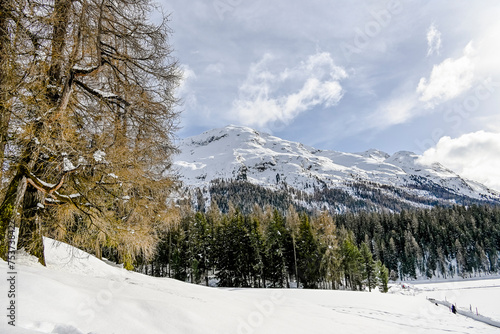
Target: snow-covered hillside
[(241, 153), (77, 293)]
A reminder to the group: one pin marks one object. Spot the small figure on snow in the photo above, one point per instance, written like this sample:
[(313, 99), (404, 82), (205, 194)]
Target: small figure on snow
[(453, 309)]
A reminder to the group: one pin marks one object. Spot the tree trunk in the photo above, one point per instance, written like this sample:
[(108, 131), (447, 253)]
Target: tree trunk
[(295, 262), (9, 209), (169, 253), (30, 231), (4, 90), (61, 16)]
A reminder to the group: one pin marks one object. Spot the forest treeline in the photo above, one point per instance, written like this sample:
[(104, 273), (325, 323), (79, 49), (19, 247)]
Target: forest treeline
[(363, 196), (269, 248)]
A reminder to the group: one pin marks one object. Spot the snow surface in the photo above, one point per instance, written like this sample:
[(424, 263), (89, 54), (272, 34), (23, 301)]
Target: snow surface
[(475, 295), (229, 152), (77, 293), (99, 155)]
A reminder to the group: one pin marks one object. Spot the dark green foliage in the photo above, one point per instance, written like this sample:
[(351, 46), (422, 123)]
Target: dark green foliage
[(382, 276), (426, 241), (278, 242), (232, 247), (308, 254), (357, 251), (351, 262), (368, 268)]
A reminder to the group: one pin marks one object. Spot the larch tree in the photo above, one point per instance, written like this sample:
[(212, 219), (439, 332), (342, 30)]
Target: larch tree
[(92, 124), (330, 261), (4, 78)]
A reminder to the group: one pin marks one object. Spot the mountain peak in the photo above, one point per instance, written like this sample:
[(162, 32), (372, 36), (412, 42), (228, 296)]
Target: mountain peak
[(230, 131), (241, 153), (403, 158), (374, 154)]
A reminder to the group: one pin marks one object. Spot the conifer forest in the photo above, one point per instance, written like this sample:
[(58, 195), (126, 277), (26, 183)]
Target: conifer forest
[(270, 248)]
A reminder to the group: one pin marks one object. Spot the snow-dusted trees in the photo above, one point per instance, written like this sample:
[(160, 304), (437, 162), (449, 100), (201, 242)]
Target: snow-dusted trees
[(90, 123)]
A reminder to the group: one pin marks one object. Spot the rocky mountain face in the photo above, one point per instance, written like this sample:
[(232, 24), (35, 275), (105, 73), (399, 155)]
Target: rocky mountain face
[(247, 167)]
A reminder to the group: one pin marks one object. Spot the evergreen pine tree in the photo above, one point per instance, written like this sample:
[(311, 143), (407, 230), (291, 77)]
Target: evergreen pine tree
[(382, 276), (275, 252), (308, 254), (368, 266), (350, 262)]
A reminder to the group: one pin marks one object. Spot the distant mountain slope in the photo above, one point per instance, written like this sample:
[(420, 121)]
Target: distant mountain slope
[(226, 163)]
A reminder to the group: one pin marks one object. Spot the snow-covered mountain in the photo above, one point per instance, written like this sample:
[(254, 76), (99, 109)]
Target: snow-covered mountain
[(319, 178)]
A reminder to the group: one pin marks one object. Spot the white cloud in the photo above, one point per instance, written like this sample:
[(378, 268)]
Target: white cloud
[(185, 91), (269, 95), (488, 49), (397, 110), (475, 156), (433, 40), (217, 68), (448, 79), (188, 75)]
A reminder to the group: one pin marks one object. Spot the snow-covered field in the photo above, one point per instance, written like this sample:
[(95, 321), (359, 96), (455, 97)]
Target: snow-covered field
[(481, 296), (78, 293)]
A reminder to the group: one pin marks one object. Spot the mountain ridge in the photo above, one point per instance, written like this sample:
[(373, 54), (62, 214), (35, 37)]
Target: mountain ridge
[(241, 154)]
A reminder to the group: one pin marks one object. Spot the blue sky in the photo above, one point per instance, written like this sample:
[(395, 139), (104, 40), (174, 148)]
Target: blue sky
[(421, 76)]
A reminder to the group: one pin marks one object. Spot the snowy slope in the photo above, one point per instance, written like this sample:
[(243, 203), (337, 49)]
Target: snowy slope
[(77, 293), (237, 152)]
